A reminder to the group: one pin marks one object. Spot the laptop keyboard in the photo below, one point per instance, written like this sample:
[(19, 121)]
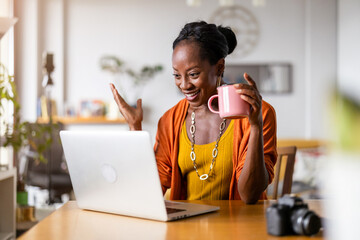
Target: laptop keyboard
[(173, 204), (174, 210)]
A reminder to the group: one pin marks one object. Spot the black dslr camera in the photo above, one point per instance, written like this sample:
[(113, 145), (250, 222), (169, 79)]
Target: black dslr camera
[(291, 216)]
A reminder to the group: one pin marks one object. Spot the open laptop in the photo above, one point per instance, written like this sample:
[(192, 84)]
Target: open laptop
[(116, 172)]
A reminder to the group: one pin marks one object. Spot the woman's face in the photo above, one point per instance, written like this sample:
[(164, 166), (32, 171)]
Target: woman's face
[(195, 77)]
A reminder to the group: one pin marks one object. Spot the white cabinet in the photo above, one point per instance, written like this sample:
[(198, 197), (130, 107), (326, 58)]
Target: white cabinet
[(7, 204)]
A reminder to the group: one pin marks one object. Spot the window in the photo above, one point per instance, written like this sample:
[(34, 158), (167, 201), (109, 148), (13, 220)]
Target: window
[(7, 68)]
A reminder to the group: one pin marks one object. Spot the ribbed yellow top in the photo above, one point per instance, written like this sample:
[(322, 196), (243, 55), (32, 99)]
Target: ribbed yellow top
[(216, 187)]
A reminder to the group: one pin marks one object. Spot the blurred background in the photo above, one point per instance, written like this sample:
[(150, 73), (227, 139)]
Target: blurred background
[(317, 38), (299, 51)]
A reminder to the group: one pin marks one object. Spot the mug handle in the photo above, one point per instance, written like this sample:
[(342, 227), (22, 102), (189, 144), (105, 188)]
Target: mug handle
[(210, 101)]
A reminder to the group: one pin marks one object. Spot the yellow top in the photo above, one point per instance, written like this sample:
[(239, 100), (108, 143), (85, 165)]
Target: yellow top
[(216, 187)]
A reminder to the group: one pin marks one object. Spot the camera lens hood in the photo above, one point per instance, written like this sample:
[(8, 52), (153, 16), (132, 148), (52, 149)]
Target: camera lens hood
[(311, 223), (305, 222)]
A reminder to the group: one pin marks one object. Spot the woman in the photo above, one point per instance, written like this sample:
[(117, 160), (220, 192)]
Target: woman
[(189, 135)]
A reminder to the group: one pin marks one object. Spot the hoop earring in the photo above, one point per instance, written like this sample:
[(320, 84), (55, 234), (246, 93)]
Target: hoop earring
[(218, 82)]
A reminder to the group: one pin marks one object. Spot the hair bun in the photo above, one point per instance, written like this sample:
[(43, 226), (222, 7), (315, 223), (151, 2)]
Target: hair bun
[(230, 37)]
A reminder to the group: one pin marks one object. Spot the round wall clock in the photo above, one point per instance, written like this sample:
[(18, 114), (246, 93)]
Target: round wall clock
[(244, 25)]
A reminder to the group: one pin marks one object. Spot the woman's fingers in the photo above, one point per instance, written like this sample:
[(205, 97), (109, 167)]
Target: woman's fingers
[(250, 93), (118, 99), (133, 116), (250, 80), (253, 102), (122, 105), (139, 108), (139, 104), (250, 89), (124, 108)]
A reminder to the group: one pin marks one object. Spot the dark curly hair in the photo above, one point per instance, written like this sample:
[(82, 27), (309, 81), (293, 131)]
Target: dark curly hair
[(215, 42)]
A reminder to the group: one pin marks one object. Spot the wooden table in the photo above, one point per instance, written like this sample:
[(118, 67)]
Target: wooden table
[(234, 220)]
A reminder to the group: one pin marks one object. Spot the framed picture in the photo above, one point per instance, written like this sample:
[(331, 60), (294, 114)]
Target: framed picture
[(274, 78), (92, 108)]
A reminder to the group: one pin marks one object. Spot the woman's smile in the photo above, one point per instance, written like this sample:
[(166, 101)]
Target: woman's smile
[(191, 96)]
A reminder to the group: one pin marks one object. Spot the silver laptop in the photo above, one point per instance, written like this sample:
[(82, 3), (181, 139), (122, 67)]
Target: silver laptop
[(116, 172)]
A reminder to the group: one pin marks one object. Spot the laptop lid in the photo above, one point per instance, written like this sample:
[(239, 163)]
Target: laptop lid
[(114, 172)]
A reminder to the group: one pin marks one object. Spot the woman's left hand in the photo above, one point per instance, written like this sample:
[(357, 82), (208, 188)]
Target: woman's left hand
[(250, 94)]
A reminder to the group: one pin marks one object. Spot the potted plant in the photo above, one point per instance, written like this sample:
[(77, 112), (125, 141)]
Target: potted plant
[(20, 134), (130, 90)]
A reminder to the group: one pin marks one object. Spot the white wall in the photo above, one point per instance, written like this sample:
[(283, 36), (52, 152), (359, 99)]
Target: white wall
[(320, 64), (26, 56), (39, 29), (349, 47), (141, 32)]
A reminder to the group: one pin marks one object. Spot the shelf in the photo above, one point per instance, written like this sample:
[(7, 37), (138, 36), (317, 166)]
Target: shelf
[(7, 204), (84, 120), (6, 174), (301, 143), (6, 236)]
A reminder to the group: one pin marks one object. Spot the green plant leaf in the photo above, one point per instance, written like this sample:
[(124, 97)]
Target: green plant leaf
[(346, 121), (20, 133)]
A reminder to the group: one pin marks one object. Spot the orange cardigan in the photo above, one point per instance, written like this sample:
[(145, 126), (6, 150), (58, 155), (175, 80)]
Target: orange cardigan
[(167, 146)]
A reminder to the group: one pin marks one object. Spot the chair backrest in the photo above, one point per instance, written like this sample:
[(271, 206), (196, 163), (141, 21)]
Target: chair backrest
[(54, 152), (284, 169), (52, 175)]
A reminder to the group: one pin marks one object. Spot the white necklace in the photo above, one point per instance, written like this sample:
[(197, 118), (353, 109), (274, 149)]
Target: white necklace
[(214, 152)]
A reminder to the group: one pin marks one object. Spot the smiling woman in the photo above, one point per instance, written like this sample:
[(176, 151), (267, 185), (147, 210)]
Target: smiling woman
[(199, 154)]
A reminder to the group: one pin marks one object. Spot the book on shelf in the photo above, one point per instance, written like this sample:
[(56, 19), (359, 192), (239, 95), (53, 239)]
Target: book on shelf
[(43, 107)]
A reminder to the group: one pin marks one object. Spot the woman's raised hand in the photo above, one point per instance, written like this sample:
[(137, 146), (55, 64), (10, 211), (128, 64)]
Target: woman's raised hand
[(133, 116), (250, 94)]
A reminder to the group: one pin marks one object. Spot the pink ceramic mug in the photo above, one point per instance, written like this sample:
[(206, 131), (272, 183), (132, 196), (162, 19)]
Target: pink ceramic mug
[(231, 105)]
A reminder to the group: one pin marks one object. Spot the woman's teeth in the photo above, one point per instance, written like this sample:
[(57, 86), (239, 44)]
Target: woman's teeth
[(192, 95)]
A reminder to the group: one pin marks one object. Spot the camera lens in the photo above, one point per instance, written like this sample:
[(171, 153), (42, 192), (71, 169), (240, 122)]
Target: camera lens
[(305, 222)]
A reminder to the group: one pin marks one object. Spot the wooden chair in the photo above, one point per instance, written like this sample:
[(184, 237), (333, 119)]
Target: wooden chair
[(284, 169)]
